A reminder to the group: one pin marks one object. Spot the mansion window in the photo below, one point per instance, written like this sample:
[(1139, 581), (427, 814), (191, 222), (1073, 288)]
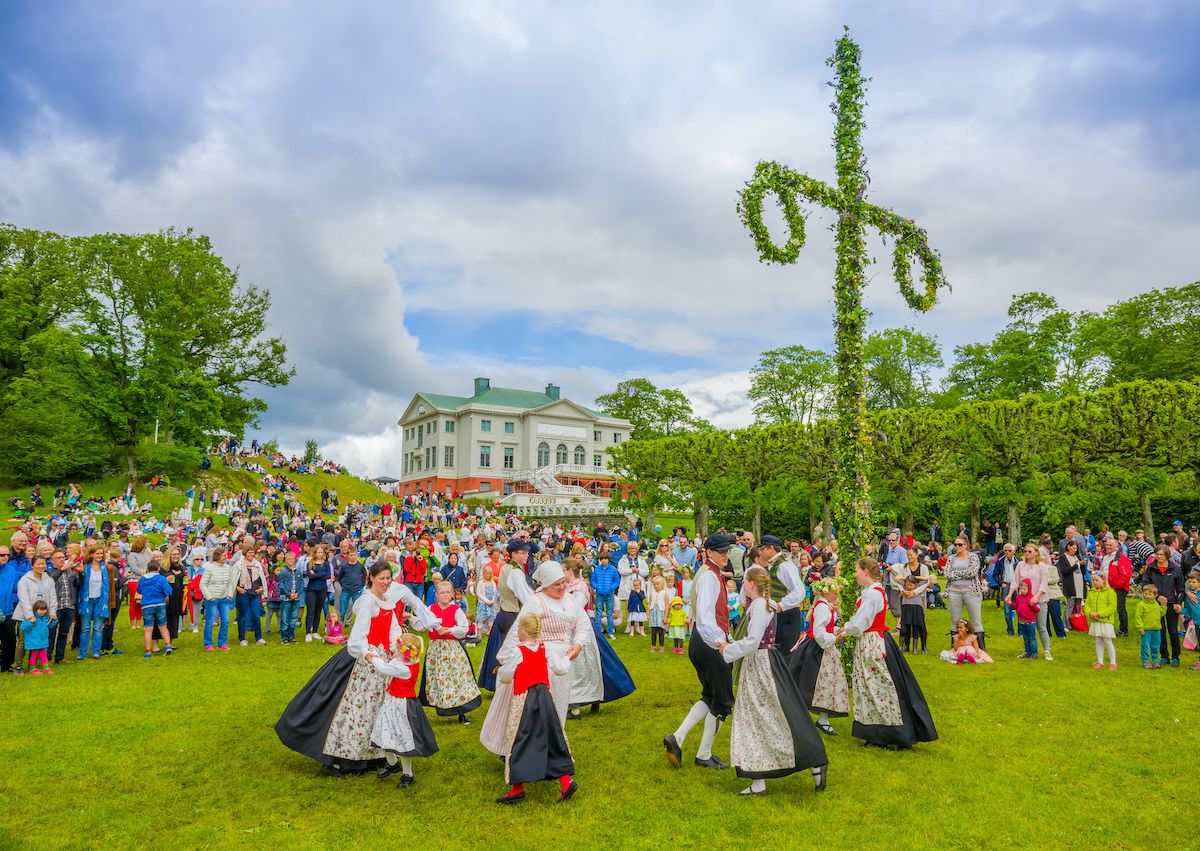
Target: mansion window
[(449, 459), (485, 425), (597, 436), (510, 428), (509, 457), (543, 455), (560, 454), (580, 456), (449, 427), (485, 456), (597, 460)]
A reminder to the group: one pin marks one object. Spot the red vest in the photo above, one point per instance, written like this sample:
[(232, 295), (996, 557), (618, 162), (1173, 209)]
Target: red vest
[(880, 622), (449, 618), (379, 634), (405, 688), (722, 608), (829, 627), (532, 670)]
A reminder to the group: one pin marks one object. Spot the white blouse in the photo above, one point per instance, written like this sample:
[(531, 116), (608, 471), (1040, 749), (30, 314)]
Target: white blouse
[(822, 614), (760, 619)]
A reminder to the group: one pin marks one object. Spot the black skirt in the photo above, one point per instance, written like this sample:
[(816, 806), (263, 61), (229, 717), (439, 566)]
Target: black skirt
[(715, 675), (539, 750), (787, 631), (424, 743), (912, 616), (305, 722), (488, 666), (807, 744), (916, 721), (805, 666)]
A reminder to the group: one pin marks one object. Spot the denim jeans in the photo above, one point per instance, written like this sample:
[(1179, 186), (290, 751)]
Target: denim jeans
[(1028, 632), (66, 617), (217, 610), (604, 603), (315, 609), (249, 612), (1056, 618), (418, 589), (91, 626), (1009, 612), (346, 600), (288, 619), (1150, 642)]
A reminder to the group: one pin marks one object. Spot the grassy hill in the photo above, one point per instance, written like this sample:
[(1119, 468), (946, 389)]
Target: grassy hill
[(228, 480)]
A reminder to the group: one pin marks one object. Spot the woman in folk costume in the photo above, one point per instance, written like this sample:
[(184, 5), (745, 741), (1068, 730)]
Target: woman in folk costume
[(772, 734), (514, 592), (889, 709), (565, 627), (535, 743), (710, 610), (401, 729), (817, 662), (448, 680), (598, 675), (331, 718)]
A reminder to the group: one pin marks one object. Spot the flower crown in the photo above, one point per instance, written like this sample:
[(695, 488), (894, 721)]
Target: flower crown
[(829, 583)]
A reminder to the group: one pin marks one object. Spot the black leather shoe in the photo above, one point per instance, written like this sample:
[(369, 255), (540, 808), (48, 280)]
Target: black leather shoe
[(333, 770), (827, 729), (406, 780), (573, 715), (711, 762), (511, 798), (387, 771), (463, 719), (820, 776), (750, 791), (595, 708), (674, 753), (570, 790)]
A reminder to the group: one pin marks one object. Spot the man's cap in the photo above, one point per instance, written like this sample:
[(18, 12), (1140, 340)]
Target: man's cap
[(719, 543), (516, 545), (771, 541)]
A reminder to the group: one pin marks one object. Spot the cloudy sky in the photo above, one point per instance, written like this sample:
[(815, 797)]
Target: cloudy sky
[(546, 191)]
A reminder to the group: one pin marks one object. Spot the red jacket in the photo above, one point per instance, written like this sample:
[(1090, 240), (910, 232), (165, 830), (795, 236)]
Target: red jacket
[(1120, 571), (415, 567)]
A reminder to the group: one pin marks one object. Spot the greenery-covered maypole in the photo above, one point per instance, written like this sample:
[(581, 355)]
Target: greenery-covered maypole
[(852, 501)]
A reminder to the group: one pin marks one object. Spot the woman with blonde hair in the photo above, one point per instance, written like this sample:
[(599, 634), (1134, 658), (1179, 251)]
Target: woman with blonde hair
[(1033, 567), (889, 709), (772, 735)]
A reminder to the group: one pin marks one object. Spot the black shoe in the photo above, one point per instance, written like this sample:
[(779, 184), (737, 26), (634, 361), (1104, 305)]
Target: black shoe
[(821, 776), (387, 770), (573, 715), (596, 708), (463, 719), (711, 762), (827, 729), (511, 798), (406, 780), (874, 745), (749, 791), (674, 753), (333, 770), (1010, 632), (568, 792)]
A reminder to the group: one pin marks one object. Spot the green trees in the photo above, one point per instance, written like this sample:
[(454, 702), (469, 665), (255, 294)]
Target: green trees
[(653, 411), (108, 335), (788, 384), (899, 366)]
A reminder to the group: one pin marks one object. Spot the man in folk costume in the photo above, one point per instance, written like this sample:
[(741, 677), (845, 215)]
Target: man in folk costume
[(514, 592), (787, 589), (710, 611)]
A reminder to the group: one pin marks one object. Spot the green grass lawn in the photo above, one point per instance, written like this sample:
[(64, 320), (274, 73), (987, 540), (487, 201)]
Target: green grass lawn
[(180, 753)]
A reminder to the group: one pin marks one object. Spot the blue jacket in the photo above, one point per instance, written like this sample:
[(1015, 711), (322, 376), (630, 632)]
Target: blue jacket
[(289, 583), (319, 576), (154, 589), (37, 633), (85, 586), (605, 578), (8, 588), (1191, 610), (457, 576)]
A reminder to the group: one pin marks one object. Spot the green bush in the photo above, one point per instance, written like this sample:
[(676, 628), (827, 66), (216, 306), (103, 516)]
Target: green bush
[(172, 460)]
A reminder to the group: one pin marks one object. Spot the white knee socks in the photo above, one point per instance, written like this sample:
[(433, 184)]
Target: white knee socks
[(758, 785), (823, 718), (406, 765), (711, 726), (695, 715)]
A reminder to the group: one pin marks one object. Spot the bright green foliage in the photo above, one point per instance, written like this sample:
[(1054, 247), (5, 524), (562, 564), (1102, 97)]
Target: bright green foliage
[(1154, 335), (790, 384), (653, 411), (852, 510), (312, 452), (899, 361)]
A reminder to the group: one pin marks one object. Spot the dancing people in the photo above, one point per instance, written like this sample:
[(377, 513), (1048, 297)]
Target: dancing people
[(514, 592), (817, 662), (710, 609), (889, 708)]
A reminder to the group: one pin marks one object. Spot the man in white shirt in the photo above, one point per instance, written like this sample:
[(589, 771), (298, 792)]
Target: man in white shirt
[(710, 607), (787, 590)]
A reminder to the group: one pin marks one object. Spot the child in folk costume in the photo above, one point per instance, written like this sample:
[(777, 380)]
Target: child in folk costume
[(657, 606), (535, 744), (889, 709), (817, 662), (401, 729), (448, 680), (772, 734)]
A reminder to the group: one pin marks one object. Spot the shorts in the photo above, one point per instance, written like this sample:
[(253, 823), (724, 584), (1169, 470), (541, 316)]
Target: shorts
[(153, 616)]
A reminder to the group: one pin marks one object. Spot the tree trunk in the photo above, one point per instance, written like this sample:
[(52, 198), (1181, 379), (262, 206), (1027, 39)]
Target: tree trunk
[(1014, 526), (131, 462), (650, 519), (826, 517), (974, 521), (700, 515), (1147, 517), (757, 517)]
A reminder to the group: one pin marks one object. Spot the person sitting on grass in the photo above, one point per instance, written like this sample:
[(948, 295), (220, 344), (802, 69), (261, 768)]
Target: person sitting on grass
[(154, 590), (334, 634)]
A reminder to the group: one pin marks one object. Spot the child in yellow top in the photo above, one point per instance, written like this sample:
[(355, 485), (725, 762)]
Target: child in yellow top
[(677, 624)]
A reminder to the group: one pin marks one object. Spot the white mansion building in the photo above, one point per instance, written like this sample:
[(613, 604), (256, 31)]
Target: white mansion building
[(507, 441)]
